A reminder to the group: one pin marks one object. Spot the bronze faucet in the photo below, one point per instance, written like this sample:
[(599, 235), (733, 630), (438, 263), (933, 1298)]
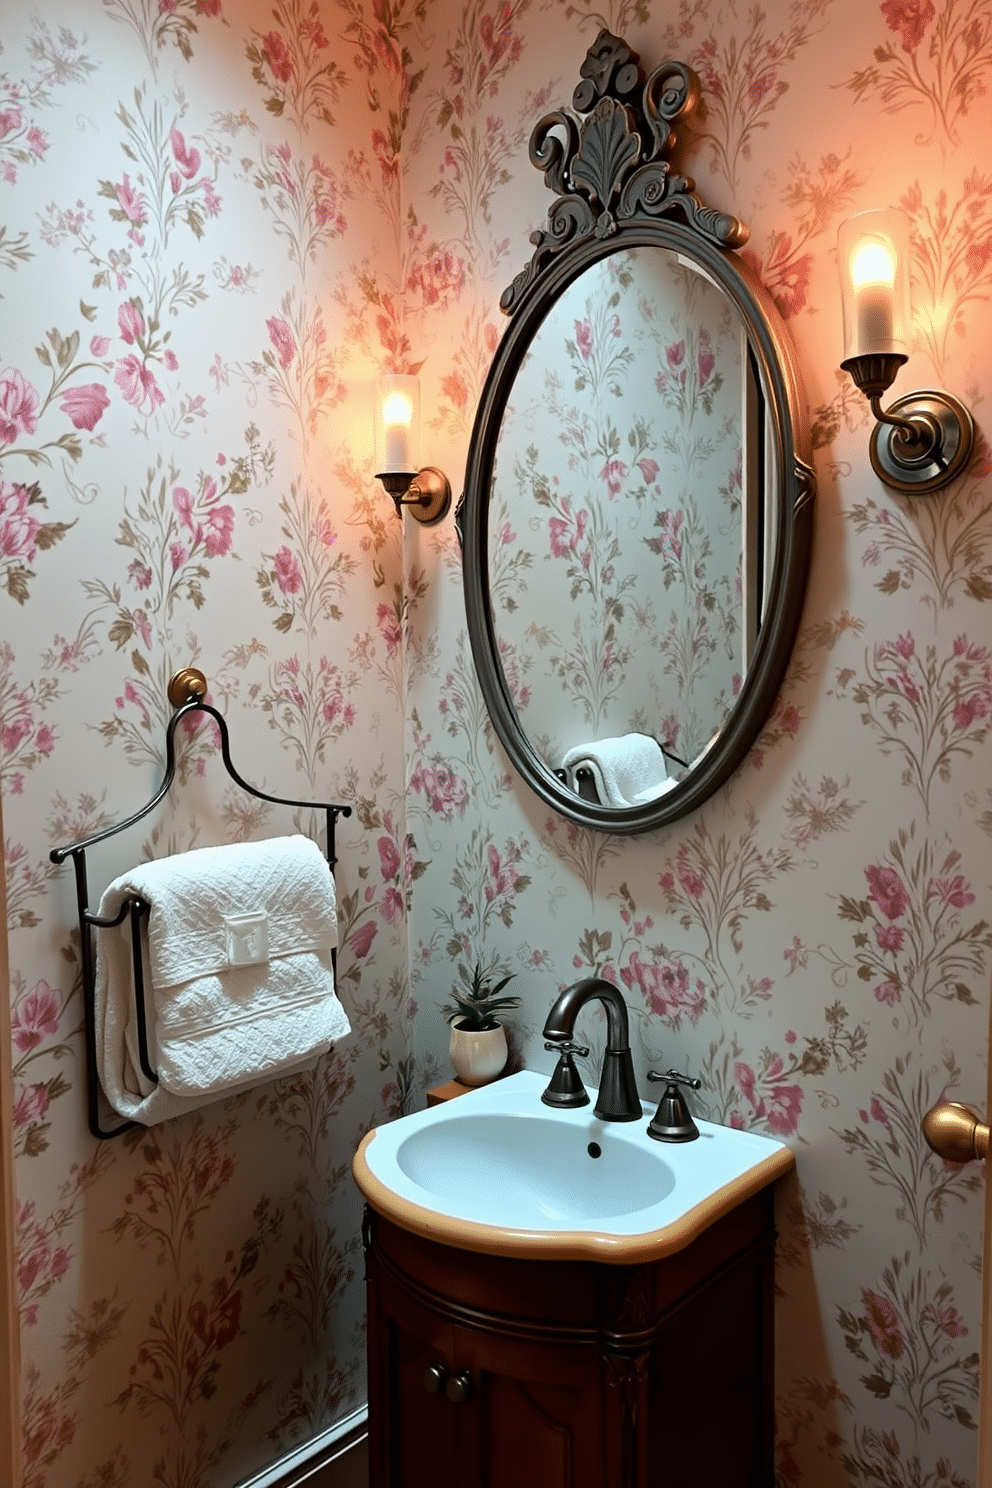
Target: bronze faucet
[(618, 1098)]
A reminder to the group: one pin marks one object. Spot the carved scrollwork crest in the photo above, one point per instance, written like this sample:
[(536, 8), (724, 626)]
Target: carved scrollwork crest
[(612, 166)]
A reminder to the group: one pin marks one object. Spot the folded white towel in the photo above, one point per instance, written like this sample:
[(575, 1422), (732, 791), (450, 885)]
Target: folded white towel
[(628, 771), (237, 973)]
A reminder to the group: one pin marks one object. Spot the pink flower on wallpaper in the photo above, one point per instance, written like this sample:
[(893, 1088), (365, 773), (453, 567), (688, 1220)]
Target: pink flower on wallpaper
[(208, 7), (444, 788), (289, 575), (18, 528), (38, 142), (761, 86), (946, 1320), (789, 720), (583, 338), (889, 937), (675, 354), (910, 18), (690, 880), (311, 28), (143, 627), (705, 359), (498, 37), (99, 346), (455, 389), (889, 993), (389, 627), (85, 404), (790, 288), (282, 339), (211, 201), (30, 1105), (187, 157), (11, 119), (389, 857), (886, 888), (177, 556), (18, 406), (883, 1324), (137, 384), (182, 503), (132, 203), (35, 1016), (361, 942), (130, 322), (671, 524), (952, 891), (565, 534), (218, 530), (649, 470), (502, 872), (785, 1105), (614, 473), (277, 56), (667, 986)]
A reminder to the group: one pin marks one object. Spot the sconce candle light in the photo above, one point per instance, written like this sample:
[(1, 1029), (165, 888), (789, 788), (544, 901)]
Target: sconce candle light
[(925, 439), (426, 492)]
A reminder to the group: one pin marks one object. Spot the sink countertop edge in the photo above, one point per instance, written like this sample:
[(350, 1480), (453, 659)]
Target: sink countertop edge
[(578, 1245)]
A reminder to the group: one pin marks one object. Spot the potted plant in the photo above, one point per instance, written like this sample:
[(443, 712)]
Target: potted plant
[(478, 1040)]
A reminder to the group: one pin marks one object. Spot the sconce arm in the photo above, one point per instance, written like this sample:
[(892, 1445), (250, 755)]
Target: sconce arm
[(924, 440)]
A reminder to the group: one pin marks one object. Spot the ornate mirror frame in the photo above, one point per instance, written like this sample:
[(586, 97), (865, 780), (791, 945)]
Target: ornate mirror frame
[(615, 189)]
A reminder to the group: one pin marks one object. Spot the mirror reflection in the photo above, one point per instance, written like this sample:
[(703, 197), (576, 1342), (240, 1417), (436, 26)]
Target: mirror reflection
[(629, 496)]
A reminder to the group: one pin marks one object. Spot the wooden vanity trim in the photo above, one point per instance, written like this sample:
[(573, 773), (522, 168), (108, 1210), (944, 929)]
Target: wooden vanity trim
[(594, 1245)]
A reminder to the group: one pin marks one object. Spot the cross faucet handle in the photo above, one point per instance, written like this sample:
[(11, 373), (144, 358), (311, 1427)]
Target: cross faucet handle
[(567, 1048), (674, 1078)]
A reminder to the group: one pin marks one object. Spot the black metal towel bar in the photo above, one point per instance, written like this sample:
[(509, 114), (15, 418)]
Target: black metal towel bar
[(187, 690)]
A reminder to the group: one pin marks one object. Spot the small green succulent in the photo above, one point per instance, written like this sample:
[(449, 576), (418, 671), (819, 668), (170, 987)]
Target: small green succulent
[(476, 1002)]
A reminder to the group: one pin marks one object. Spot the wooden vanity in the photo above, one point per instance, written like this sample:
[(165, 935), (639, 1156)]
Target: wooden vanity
[(488, 1371)]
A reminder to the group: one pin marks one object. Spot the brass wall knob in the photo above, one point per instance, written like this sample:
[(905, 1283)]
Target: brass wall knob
[(955, 1132)]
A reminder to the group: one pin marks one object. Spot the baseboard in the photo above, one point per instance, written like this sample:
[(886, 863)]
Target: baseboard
[(301, 1467)]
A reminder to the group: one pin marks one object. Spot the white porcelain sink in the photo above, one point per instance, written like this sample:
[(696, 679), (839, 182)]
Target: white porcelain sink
[(497, 1171)]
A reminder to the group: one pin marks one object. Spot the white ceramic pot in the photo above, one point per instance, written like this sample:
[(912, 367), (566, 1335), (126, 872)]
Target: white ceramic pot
[(478, 1055)]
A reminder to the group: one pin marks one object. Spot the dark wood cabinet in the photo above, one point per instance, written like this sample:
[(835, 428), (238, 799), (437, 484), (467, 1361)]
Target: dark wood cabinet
[(492, 1372)]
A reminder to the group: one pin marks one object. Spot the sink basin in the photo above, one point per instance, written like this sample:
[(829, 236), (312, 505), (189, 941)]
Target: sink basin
[(499, 1172)]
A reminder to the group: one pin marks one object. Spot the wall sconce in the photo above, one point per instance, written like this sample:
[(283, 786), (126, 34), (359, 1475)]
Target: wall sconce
[(925, 439), (425, 493)]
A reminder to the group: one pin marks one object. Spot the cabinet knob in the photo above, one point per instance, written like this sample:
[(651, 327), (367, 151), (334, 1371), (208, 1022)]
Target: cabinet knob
[(434, 1378), (459, 1388)]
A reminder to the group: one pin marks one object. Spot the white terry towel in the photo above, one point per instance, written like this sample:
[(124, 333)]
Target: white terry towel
[(237, 972), (628, 771)]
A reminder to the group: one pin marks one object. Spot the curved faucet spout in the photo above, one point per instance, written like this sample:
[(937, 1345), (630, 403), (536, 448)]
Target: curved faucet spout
[(618, 1098)]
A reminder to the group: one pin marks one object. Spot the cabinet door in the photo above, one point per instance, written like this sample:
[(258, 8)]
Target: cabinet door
[(535, 1413), (411, 1423)]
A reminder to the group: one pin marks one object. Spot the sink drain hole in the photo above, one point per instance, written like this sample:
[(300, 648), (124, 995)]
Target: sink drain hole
[(594, 1149)]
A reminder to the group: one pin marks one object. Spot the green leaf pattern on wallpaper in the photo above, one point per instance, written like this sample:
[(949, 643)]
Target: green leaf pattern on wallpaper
[(220, 222)]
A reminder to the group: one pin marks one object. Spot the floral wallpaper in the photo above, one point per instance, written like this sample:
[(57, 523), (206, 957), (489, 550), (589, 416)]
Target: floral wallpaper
[(629, 402), (816, 942), (221, 219), (201, 210)]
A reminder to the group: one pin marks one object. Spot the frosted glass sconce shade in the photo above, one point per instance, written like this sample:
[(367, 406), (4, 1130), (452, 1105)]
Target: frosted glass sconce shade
[(397, 425), (424, 492), (873, 251), (925, 439)]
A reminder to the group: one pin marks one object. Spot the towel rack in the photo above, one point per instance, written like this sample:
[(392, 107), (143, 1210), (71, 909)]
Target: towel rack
[(186, 691)]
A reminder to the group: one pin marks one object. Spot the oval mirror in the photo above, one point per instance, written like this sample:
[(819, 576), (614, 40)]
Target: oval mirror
[(638, 505)]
